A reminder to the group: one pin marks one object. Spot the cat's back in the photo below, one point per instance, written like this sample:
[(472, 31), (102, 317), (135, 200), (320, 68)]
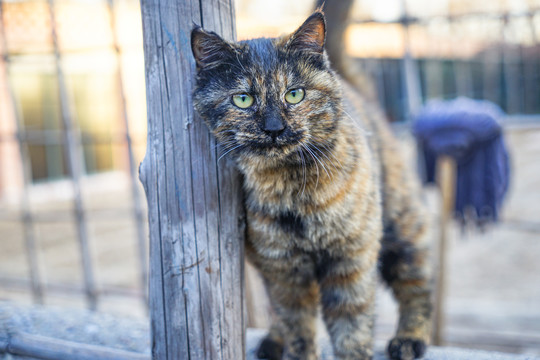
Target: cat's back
[(366, 116), (400, 187)]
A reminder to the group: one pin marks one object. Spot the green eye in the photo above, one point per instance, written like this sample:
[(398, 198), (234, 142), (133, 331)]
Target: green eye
[(294, 96), (243, 101)]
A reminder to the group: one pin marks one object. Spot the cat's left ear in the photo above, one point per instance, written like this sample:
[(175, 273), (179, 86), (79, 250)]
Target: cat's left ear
[(209, 49), (311, 35)]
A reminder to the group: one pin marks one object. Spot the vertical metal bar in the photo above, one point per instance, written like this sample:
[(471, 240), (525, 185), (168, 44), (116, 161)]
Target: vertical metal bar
[(26, 213), (461, 67), (531, 72), (410, 70), (433, 67), (379, 74), (530, 17), (463, 77), (71, 151), (492, 67), (138, 213), (513, 96)]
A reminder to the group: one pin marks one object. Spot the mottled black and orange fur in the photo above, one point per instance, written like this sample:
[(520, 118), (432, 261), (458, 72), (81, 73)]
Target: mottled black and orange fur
[(329, 201)]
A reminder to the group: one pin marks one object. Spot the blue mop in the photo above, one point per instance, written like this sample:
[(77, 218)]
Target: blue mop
[(468, 131)]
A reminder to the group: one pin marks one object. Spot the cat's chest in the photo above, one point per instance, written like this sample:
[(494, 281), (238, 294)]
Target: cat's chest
[(295, 222)]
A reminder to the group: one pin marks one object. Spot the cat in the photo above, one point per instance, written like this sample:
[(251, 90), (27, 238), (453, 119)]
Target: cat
[(329, 201)]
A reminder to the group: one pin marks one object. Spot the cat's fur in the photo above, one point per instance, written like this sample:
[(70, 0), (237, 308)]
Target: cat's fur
[(329, 200)]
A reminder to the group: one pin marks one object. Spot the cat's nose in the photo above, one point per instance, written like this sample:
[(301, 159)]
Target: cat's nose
[(273, 126)]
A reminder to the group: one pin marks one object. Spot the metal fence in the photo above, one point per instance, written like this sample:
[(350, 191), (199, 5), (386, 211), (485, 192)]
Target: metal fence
[(506, 72), (503, 66), (72, 142)]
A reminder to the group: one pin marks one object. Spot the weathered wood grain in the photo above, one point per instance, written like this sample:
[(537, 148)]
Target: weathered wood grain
[(194, 202)]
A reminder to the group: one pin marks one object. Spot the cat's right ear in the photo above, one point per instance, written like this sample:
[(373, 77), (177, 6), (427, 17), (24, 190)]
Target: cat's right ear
[(311, 36), (208, 48)]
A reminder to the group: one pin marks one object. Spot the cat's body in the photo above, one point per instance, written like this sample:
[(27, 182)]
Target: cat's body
[(327, 196)]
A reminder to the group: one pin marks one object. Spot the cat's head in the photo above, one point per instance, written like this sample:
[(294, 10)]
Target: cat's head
[(267, 98)]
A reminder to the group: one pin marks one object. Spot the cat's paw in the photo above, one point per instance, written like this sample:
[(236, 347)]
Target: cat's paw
[(406, 348), (270, 349)]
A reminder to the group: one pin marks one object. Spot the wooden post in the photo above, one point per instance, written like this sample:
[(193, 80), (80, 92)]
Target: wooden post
[(337, 13), (195, 208), (446, 178)]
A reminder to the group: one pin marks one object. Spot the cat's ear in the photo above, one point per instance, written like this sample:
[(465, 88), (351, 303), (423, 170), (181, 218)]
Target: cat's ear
[(208, 48), (311, 35)]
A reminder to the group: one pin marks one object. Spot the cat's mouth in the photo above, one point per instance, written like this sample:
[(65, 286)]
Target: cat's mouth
[(276, 146)]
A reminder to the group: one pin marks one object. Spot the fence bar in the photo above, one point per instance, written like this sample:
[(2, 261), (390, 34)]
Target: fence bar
[(47, 348), (61, 216), (26, 213), (71, 151), (452, 17), (60, 288), (510, 67), (463, 78), (381, 86), (410, 72), (138, 213), (492, 61), (462, 69), (56, 137), (531, 71)]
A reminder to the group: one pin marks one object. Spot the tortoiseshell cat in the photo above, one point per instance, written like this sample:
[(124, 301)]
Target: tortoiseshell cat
[(328, 198)]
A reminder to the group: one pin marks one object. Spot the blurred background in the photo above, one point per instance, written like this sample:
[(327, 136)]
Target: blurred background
[(73, 130)]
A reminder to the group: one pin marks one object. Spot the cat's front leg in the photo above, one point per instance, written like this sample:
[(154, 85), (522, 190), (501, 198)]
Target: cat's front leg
[(348, 299), (294, 294), (403, 266)]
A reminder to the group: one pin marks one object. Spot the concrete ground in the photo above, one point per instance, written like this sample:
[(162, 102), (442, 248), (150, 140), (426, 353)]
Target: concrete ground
[(56, 332), (493, 290)]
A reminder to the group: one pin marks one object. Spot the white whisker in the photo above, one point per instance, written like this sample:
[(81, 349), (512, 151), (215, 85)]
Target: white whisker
[(318, 160), (332, 154), (303, 171), (234, 148), (354, 123), (314, 159), (323, 154), (223, 144)]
